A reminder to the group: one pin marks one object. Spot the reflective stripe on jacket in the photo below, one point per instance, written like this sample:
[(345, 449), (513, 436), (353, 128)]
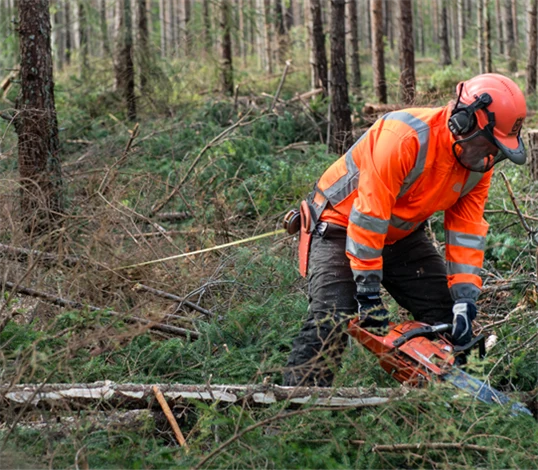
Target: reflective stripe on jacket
[(395, 177)]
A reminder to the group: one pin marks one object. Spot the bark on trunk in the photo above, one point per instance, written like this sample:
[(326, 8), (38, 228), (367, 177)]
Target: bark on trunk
[(342, 133), (68, 36), (318, 46), (83, 39), (481, 49), (443, 36), (532, 28), (124, 68), (227, 81), (143, 46), (407, 52), (487, 37), (36, 123), (104, 29), (461, 31), (354, 45), (378, 53), (500, 26), (281, 34), (207, 27), (511, 47)]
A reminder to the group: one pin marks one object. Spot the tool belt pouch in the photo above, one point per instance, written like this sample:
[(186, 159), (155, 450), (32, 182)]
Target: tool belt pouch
[(305, 238)]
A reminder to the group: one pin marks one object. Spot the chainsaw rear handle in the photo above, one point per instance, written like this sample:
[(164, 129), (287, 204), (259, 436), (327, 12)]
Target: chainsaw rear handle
[(425, 331)]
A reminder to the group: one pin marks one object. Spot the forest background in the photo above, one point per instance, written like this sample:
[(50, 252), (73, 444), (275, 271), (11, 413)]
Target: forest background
[(136, 130)]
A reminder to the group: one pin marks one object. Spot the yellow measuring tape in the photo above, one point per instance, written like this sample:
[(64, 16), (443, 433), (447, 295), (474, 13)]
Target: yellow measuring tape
[(205, 250)]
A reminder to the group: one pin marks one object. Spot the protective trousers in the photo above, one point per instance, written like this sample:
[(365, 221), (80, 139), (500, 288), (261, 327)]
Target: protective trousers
[(414, 274)]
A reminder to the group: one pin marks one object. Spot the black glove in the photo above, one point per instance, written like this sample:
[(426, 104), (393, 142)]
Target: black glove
[(464, 313), (373, 316)]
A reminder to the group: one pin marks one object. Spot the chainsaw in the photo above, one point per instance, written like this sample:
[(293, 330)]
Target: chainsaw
[(416, 354)]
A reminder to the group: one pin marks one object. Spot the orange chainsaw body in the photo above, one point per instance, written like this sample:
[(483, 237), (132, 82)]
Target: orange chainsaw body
[(416, 361)]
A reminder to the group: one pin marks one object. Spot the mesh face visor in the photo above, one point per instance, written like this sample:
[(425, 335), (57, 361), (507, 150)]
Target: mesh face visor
[(478, 152)]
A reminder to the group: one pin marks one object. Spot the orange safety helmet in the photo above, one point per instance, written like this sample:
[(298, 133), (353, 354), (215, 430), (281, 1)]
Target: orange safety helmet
[(497, 105)]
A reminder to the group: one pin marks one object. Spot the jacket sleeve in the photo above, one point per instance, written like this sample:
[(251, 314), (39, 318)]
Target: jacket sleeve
[(465, 235), (386, 158)]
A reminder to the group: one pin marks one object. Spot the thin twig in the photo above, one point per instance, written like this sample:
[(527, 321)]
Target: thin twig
[(279, 89), (529, 230)]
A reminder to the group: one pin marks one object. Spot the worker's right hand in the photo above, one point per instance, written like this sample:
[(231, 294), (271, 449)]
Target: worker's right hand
[(373, 316), (464, 313)]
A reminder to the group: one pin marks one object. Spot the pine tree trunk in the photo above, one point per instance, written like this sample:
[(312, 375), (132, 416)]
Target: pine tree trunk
[(443, 36), (435, 20), (378, 53), (407, 52), (83, 38), (290, 18), (532, 28), (500, 26), (282, 36), (354, 45), (481, 49), (387, 23), (510, 50), (59, 35), (341, 134), (318, 46), (36, 123), (207, 27), (227, 82), (187, 27), (68, 36), (461, 31), (124, 68), (143, 45), (104, 28), (162, 21), (514, 22), (487, 37)]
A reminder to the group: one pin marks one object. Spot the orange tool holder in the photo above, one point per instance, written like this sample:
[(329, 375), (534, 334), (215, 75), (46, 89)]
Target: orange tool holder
[(412, 352)]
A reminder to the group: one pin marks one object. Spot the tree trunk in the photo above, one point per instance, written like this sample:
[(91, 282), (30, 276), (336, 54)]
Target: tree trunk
[(83, 38), (104, 28), (481, 49), (514, 22), (461, 31), (267, 36), (378, 53), (36, 123), (59, 35), (407, 52), (187, 27), (318, 46), (162, 21), (532, 28), (487, 37), (500, 26), (387, 23), (68, 36), (435, 20), (143, 45), (342, 133), (282, 36), (510, 49), (207, 27), (227, 81), (443, 36), (354, 45), (290, 19), (124, 68)]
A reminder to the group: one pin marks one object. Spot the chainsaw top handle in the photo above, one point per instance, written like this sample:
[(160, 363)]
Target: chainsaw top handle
[(428, 331)]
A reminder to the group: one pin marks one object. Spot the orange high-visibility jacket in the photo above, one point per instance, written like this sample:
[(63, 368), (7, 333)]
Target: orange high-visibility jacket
[(395, 177)]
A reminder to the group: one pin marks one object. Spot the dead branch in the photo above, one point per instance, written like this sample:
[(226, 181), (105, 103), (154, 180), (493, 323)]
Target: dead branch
[(173, 216), (141, 394), (22, 254), (307, 95), (433, 446), (529, 230), (507, 211), (175, 298), (370, 109), (170, 417), (80, 306), (279, 89)]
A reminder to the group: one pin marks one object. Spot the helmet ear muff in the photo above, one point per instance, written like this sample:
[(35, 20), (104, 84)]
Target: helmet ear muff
[(462, 119)]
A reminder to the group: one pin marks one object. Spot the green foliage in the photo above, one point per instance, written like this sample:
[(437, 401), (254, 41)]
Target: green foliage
[(445, 79)]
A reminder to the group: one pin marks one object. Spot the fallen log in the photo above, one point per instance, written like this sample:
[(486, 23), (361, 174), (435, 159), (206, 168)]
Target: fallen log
[(174, 330), (22, 254), (142, 394), (370, 109)]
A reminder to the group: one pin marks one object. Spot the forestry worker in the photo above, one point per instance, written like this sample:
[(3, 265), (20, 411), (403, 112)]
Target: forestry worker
[(367, 213)]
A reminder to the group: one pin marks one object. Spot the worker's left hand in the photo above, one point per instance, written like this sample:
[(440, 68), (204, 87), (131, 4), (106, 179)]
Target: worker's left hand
[(464, 313), (373, 315)]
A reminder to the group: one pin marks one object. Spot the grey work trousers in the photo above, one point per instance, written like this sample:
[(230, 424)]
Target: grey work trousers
[(414, 274)]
